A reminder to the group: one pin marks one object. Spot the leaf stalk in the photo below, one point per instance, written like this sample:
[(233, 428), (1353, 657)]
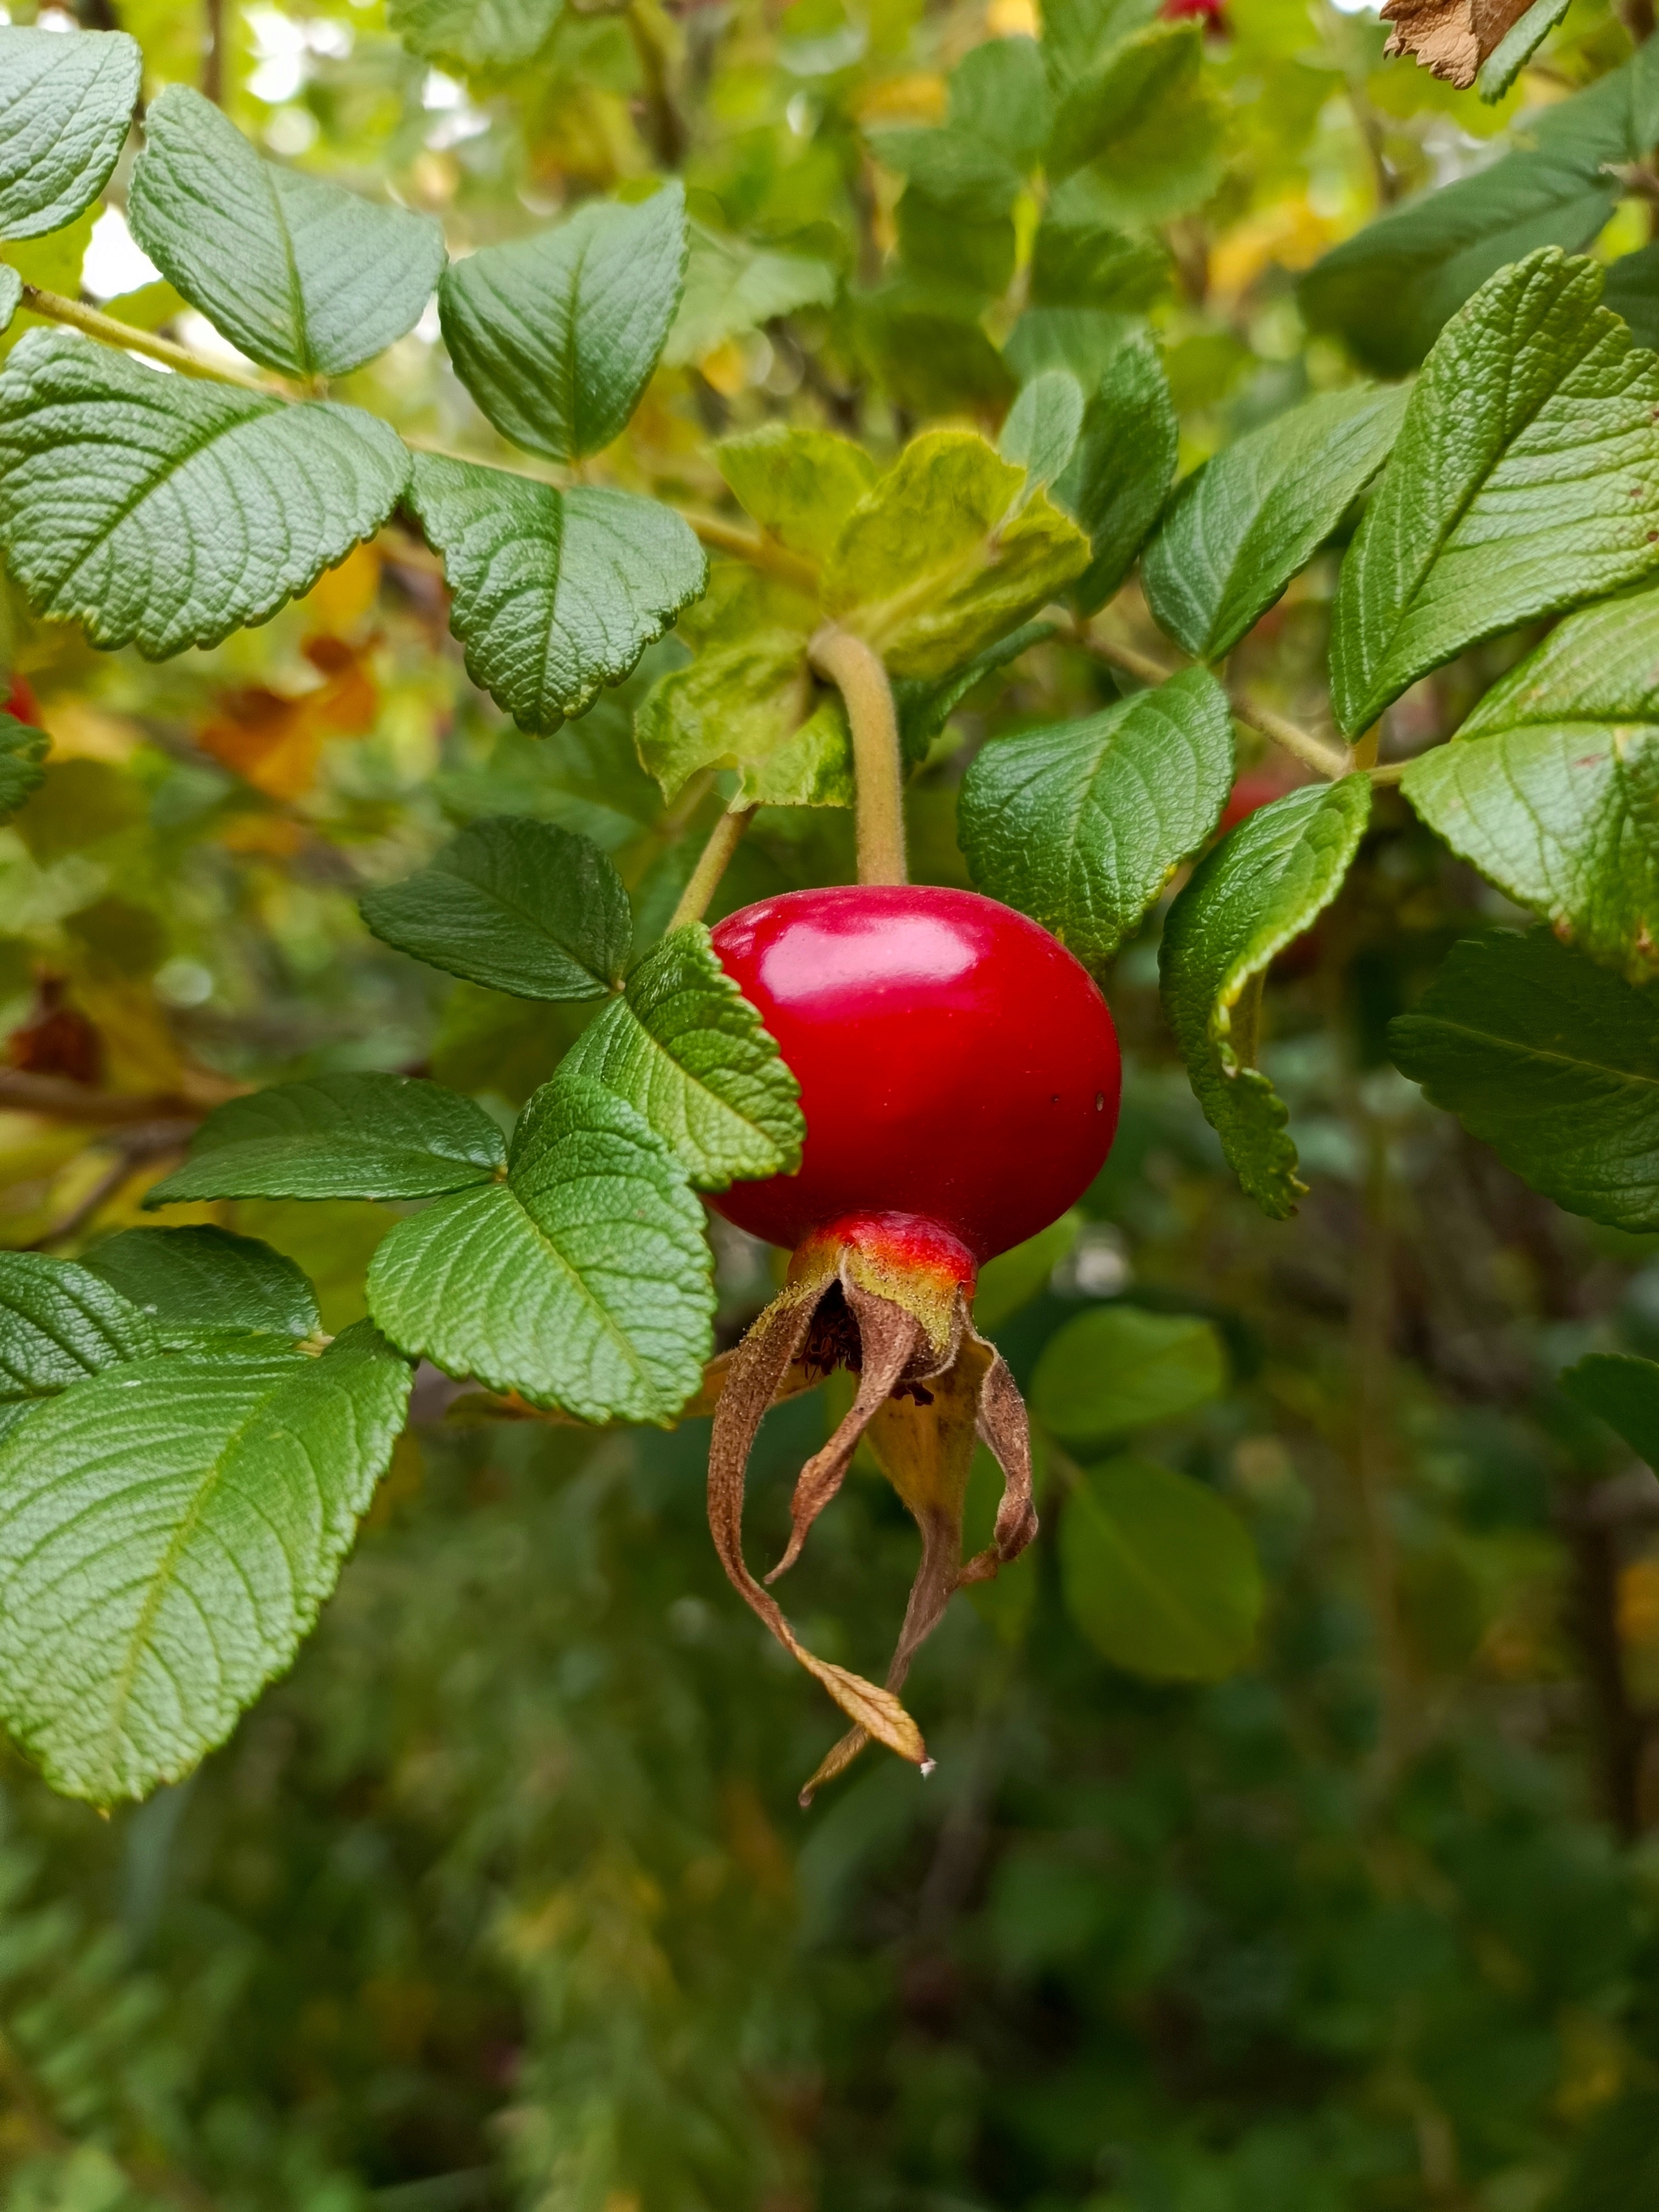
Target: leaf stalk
[(57, 309), (848, 662), (1325, 759), (711, 863)]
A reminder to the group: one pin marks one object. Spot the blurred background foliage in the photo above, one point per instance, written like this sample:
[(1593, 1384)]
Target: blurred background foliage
[(502, 1898)]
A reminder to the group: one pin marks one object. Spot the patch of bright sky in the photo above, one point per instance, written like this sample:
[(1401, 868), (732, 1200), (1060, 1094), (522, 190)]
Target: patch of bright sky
[(282, 47), (458, 117), (115, 262)]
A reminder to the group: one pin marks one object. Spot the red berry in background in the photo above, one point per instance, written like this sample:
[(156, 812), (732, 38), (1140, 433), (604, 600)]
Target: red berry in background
[(1208, 12), (954, 1061), (21, 703), (1257, 787)]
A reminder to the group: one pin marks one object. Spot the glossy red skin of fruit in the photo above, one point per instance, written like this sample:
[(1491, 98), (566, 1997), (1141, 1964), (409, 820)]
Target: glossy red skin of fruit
[(954, 1061)]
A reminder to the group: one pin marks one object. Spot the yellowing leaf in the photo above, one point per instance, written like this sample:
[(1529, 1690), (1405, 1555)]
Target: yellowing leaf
[(752, 706)]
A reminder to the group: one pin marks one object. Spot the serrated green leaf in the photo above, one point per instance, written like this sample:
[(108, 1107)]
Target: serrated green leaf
[(65, 106), (732, 287), (23, 750), (519, 906), (1146, 125), (164, 511), (1525, 478), (1623, 1392), (1082, 824), (1241, 526), (556, 335), (1551, 787), (300, 273), (1553, 1062), (556, 594), (1517, 46), (1159, 1572), (203, 1279), (1117, 1367), (1120, 474), (1079, 261), (358, 1134), (964, 174), (59, 1322), (1041, 430), (474, 32), (1077, 34), (800, 484), (582, 1282), (753, 706), (1259, 889), (687, 1050), (939, 558), (168, 1531), (925, 707)]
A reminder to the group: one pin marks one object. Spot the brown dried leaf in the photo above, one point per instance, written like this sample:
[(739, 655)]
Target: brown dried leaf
[(1451, 38)]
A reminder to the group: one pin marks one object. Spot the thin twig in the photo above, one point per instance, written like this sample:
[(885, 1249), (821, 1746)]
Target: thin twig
[(877, 766), (760, 551), (145, 1141), (57, 1097), (57, 309), (711, 863), (1313, 752)]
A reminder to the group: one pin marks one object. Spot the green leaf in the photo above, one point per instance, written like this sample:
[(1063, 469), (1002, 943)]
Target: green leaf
[(1241, 526), (1013, 1278), (1080, 260), (583, 1282), (1517, 46), (474, 32), (350, 1135), (555, 592), (753, 706), (556, 335), (11, 295), (1623, 1392), (1042, 427), (65, 106), (1117, 1367), (1525, 478), (24, 750), (168, 1531), (1077, 34), (300, 273), (1259, 889), (1082, 824), (939, 558), (1630, 288), (1120, 474), (59, 1322), (800, 484), (687, 1050), (519, 905), (164, 511), (1159, 1573), (1551, 787), (925, 707), (189, 1280), (732, 287), (1551, 1060), (1388, 290), (1147, 125), (964, 174)]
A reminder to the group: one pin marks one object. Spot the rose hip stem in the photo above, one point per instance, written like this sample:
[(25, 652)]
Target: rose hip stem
[(711, 863), (878, 769)]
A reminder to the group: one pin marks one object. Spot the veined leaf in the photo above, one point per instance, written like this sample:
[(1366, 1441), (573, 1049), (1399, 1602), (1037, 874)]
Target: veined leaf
[(59, 1322), (1117, 1367), (1241, 526), (349, 1135), (474, 32), (1082, 824), (582, 1282), (167, 1532), (1076, 33), (23, 750), (1119, 473), (555, 592), (556, 335), (1551, 1060), (1623, 1392), (519, 905), (731, 287), (925, 707), (800, 484), (999, 93), (1145, 123), (1517, 46), (686, 1049), (164, 511), (65, 105), (1079, 261), (752, 706), (300, 273), (1042, 427), (1551, 787), (1261, 888), (939, 558), (1525, 478), (202, 1279)]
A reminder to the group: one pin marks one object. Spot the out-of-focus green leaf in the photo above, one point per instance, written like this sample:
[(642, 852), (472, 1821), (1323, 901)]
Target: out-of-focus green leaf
[(732, 287), (1013, 1278), (1159, 1573), (24, 750), (582, 1282), (799, 483), (750, 706), (1623, 1391), (203, 1279), (1076, 33), (1259, 889), (999, 94), (1145, 123), (1117, 1367), (65, 106), (1082, 824), (1553, 1062), (1079, 261), (1630, 288), (1042, 426), (1120, 474), (923, 343), (474, 31), (555, 336)]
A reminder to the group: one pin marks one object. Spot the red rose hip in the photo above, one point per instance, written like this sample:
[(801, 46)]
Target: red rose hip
[(954, 1061)]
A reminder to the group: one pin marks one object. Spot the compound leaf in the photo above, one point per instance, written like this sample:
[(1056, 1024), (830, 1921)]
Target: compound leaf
[(555, 592), (1119, 476), (685, 1047), (1082, 824), (164, 511), (555, 336), (1553, 1062), (1259, 889), (1241, 526), (356, 1134), (168, 1530), (300, 273), (582, 1282), (1117, 1367), (65, 105), (202, 1279)]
